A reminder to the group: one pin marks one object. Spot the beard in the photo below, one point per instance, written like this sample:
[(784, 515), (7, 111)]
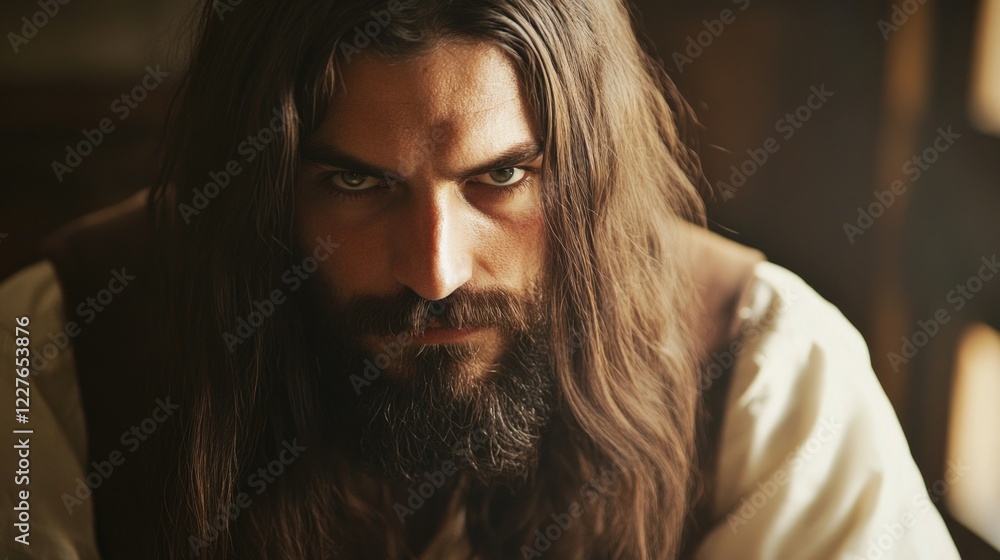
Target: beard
[(403, 409)]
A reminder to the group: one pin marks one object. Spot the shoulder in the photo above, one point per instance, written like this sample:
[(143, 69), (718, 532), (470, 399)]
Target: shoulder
[(812, 462), (35, 293), (53, 454), (27, 288), (797, 357)]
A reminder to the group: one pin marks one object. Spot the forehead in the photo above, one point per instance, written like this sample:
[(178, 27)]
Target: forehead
[(463, 95)]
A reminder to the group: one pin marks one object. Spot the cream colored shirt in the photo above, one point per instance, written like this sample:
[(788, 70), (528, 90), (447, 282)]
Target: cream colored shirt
[(812, 461)]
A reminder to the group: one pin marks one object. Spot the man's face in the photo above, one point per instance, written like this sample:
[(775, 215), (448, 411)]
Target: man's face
[(425, 171)]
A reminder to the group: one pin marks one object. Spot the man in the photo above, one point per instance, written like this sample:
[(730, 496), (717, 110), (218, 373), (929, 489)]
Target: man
[(419, 283)]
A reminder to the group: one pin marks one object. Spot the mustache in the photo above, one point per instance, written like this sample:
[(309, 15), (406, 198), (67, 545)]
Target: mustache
[(406, 312)]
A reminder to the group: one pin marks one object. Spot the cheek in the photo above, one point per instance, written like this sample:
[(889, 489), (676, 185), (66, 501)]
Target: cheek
[(515, 252), (358, 268), (357, 265)]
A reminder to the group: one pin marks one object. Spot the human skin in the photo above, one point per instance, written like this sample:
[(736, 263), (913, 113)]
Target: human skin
[(426, 171)]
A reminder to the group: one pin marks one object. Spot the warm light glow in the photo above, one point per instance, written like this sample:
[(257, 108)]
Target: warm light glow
[(985, 102), (974, 499)]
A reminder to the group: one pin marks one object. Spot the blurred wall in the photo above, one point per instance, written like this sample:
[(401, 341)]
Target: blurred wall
[(61, 76)]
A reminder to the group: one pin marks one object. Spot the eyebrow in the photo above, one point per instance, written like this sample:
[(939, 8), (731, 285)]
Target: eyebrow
[(324, 154)]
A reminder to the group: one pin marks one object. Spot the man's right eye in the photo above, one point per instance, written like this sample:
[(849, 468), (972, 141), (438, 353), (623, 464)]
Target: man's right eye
[(350, 181)]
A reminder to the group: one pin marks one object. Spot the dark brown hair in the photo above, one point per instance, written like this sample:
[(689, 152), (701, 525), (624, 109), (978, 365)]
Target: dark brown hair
[(616, 184)]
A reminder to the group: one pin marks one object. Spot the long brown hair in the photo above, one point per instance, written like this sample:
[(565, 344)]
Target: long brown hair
[(617, 182)]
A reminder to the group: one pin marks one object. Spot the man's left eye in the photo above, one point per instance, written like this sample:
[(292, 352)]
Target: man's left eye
[(505, 177), (351, 181)]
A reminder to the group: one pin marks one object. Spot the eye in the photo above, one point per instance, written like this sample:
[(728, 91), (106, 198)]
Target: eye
[(351, 181), (504, 177)]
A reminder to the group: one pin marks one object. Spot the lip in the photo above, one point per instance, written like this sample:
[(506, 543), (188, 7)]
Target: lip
[(438, 335)]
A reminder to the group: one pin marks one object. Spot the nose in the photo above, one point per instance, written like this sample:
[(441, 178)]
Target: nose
[(432, 254)]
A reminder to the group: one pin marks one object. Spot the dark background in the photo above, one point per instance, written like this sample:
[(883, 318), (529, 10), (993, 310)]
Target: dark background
[(892, 91)]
